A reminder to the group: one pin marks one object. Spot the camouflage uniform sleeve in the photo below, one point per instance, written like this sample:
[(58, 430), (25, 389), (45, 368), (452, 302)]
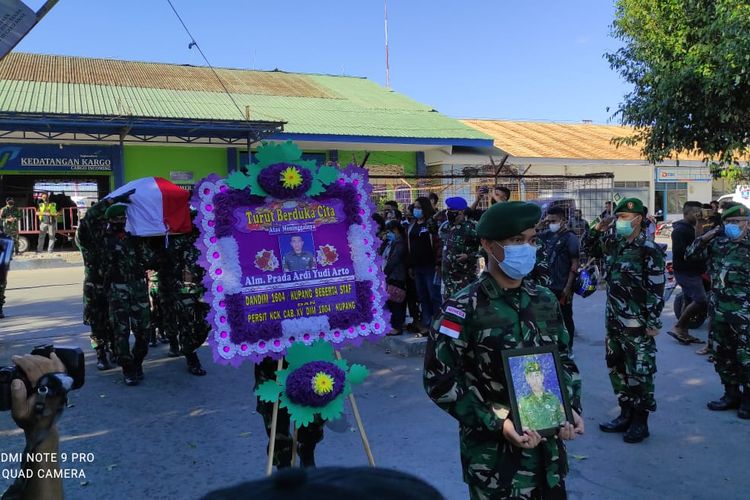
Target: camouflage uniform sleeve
[(541, 271), (654, 287), (596, 243), (445, 381), (697, 250)]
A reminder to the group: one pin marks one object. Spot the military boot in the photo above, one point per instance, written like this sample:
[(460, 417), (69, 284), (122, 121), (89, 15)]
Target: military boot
[(306, 454), (729, 401), (744, 410), (638, 430), (194, 364), (129, 374), (174, 348), (621, 423), (102, 360)]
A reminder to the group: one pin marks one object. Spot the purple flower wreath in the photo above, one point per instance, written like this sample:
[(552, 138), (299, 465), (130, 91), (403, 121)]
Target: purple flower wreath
[(270, 179), (300, 388)]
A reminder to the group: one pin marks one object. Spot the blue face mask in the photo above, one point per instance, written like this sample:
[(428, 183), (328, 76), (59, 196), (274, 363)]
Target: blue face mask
[(519, 260), (417, 213), (732, 231), (624, 227), (390, 236)]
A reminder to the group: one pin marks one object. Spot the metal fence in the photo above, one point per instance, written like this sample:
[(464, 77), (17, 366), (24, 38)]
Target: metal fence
[(587, 193)]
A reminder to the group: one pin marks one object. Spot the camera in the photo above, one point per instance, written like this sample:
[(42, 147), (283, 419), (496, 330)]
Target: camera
[(72, 359)]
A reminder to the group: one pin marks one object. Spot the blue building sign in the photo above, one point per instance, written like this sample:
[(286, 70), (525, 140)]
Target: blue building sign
[(53, 158)]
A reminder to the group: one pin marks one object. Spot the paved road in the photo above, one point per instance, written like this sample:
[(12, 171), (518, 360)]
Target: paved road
[(178, 436)]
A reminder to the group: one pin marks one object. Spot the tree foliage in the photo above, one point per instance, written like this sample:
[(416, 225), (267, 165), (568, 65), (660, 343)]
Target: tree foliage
[(689, 64)]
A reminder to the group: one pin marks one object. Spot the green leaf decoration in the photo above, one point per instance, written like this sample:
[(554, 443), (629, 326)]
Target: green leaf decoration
[(268, 391), (238, 180), (299, 354), (334, 409), (316, 187), (298, 414), (255, 187), (270, 154), (327, 174), (342, 363), (358, 373)]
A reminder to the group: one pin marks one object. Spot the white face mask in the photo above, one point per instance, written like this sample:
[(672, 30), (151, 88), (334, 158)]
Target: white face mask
[(554, 227)]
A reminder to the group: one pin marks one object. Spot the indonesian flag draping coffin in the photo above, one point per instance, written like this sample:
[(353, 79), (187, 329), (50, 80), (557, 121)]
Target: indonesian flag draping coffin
[(156, 208)]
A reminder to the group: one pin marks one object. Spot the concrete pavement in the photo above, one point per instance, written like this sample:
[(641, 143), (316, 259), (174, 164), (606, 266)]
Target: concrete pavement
[(179, 436)]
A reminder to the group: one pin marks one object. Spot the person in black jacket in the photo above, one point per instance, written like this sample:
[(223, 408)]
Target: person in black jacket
[(394, 257), (688, 273), (424, 260)]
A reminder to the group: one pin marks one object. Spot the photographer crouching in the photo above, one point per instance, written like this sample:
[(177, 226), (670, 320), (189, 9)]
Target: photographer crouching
[(35, 391)]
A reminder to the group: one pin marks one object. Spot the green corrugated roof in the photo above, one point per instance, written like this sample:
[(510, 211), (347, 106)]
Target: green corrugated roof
[(310, 104)]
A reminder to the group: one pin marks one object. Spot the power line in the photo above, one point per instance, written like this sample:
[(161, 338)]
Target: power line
[(194, 43)]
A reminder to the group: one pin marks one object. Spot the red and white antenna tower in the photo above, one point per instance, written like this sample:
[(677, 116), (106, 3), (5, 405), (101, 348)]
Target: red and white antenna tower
[(387, 62)]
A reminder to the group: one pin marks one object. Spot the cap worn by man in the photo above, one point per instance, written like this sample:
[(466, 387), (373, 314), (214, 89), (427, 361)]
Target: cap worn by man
[(503, 220), (117, 210), (630, 206), (735, 211), (456, 203), (532, 366)]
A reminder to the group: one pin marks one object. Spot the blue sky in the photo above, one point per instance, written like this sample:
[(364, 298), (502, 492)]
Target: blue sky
[(506, 59)]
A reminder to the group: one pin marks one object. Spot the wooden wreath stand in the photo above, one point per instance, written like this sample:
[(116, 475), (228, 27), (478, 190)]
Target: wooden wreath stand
[(274, 422)]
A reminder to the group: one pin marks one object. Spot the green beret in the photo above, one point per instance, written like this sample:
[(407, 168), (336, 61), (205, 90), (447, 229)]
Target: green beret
[(116, 210), (532, 366), (630, 206), (503, 220), (735, 211)]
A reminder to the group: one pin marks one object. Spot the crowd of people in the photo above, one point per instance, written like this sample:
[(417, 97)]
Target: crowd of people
[(520, 299)]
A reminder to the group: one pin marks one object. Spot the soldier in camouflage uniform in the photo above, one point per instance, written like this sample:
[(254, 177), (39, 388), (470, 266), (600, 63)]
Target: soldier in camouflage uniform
[(90, 238), (728, 249), (182, 302), (307, 437), (635, 288), (9, 220), (463, 369), (125, 279), (458, 234)]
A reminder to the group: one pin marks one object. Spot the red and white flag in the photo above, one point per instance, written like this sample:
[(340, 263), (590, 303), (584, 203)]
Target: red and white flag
[(450, 328), (156, 208)]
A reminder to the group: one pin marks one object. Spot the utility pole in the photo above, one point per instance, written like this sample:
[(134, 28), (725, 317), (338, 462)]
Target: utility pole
[(387, 62)]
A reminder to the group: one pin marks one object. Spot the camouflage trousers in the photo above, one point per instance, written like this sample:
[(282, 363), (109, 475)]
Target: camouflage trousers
[(494, 469), (631, 359), (129, 311), (14, 236), (96, 314), (192, 327), (731, 350), (156, 314), (309, 435), (556, 493)]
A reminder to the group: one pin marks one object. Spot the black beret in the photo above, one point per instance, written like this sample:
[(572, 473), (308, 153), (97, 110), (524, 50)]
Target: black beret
[(630, 206), (735, 211), (116, 211), (503, 220)]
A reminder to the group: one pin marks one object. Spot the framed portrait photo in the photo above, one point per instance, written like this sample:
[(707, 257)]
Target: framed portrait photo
[(538, 397)]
